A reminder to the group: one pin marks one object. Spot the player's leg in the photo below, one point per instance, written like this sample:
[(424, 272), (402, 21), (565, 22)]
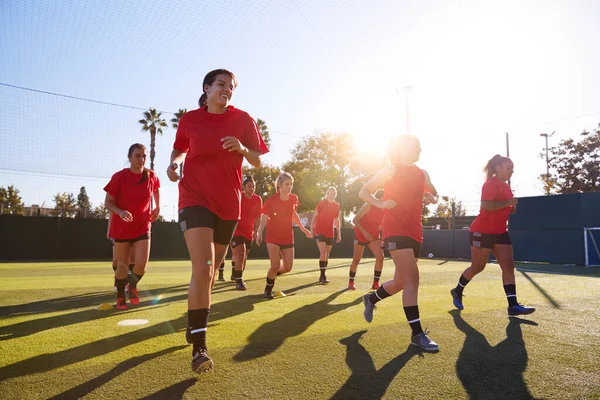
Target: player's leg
[(357, 253), (274, 255), (481, 249), (121, 250), (375, 247), (142, 254), (324, 249), (239, 256)]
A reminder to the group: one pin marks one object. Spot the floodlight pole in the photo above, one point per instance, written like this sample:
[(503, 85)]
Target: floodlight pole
[(545, 135)]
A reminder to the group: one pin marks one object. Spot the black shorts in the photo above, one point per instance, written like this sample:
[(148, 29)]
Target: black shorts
[(402, 242), (488, 241), (363, 243), (284, 246), (238, 240), (145, 236), (202, 217), (324, 239)]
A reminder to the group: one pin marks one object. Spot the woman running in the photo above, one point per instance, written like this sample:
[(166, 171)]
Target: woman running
[(404, 185), (129, 197), (114, 259), (214, 140), (488, 234), (325, 218), (367, 226), (279, 214)]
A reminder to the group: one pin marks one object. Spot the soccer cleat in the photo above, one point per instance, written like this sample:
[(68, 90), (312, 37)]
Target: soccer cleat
[(369, 307), (351, 285), (323, 280), (268, 295), (221, 277), (240, 284), (375, 285), (232, 278), (457, 299), (121, 304), (520, 309), (423, 341), (134, 298), (201, 362)]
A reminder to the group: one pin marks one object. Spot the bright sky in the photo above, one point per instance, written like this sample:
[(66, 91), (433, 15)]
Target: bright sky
[(478, 69)]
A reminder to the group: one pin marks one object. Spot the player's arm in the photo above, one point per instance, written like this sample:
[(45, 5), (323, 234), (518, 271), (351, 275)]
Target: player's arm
[(431, 194), (177, 157), (377, 182), (231, 143), (361, 213), (337, 222), (496, 205), (296, 219), (261, 227), (109, 202), (108, 227), (156, 210), (313, 222)]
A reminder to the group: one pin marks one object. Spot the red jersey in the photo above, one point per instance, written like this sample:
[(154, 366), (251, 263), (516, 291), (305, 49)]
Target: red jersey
[(213, 175), (251, 209), (135, 197), (371, 222), (327, 213), (493, 221), (406, 188), (281, 213)]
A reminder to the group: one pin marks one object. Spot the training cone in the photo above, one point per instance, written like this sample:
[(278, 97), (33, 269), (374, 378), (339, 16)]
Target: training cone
[(278, 294), (104, 307)]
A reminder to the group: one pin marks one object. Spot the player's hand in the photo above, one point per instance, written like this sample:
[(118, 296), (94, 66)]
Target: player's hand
[(429, 198), (232, 143), (513, 209), (107, 235), (388, 204), (339, 239), (172, 172), (308, 234), (513, 202), (258, 238), (126, 216), (369, 237), (155, 214)]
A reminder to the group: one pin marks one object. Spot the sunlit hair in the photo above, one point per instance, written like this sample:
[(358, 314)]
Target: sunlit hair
[(379, 194), (492, 164), (247, 180), (398, 145), (130, 153), (211, 77), (331, 188), (202, 100), (282, 178)]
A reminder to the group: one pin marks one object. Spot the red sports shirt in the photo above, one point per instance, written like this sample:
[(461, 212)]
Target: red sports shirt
[(281, 214), (493, 221), (251, 209), (213, 175), (406, 188), (371, 222), (135, 197), (327, 213)]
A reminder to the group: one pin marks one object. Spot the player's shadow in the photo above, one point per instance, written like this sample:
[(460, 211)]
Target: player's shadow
[(172, 392), (366, 382), (50, 361), (493, 372), (37, 325), (87, 387), (269, 336)]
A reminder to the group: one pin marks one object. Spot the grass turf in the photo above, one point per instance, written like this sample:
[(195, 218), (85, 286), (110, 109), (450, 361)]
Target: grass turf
[(312, 344)]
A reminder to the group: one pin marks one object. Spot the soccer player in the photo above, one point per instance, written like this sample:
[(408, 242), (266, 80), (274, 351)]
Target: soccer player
[(404, 186), (129, 197), (114, 259), (241, 243), (488, 234), (325, 218), (367, 225), (214, 140), (279, 214)]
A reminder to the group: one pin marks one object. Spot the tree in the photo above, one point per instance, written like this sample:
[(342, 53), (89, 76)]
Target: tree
[(574, 166), (177, 117), (10, 201), (84, 207), (65, 205), (265, 177), (101, 212), (152, 123), (264, 131), (445, 210)]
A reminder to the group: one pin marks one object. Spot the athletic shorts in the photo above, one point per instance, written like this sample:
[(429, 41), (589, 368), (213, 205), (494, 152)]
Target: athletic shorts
[(145, 236), (238, 240), (402, 242), (284, 246), (488, 241), (363, 243), (202, 217), (324, 239)]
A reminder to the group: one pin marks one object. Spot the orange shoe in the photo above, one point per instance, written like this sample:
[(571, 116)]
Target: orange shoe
[(375, 285), (121, 304), (351, 285), (133, 296)]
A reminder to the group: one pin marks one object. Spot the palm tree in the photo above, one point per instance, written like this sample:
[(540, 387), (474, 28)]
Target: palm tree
[(177, 117), (264, 131), (154, 123)]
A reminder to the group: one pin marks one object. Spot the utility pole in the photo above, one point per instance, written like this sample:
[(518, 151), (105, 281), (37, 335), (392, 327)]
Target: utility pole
[(546, 136)]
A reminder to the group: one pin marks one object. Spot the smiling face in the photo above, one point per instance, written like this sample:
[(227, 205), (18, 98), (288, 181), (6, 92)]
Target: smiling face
[(286, 187), (220, 91)]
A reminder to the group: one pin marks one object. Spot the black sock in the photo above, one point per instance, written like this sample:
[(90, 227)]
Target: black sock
[(378, 295), (238, 275), (352, 275), (270, 285), (511, 294), (197, 325), (233, 264), (462, 282), (131, 268), (121, 287), (222, 268), (376, 276), (323, 268), (412, 315), (134, 279)]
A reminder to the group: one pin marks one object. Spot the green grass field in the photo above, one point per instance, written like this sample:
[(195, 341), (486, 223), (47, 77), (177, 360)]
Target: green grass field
[(312, 344)]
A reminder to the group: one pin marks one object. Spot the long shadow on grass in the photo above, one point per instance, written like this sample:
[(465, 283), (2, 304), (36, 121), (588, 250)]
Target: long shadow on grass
[(48, 362), (544, 293), (493, 372), (366, 382), (269, 336), (41, 324), (172, 392), (87, 387)]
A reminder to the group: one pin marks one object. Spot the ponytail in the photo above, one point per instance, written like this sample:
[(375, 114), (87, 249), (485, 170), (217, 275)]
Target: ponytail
[(490, 167), (145, 174)]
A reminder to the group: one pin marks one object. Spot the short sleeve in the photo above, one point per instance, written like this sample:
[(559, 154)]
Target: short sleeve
[(155, 182), (182, 141), (252, 138), (114, 185), (266, 208), (489, 190)]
